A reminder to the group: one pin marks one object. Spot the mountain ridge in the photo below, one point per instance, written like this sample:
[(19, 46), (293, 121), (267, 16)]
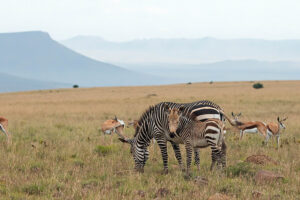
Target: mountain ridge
[(35, 55)]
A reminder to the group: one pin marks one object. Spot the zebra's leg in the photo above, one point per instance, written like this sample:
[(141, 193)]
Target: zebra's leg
[(223, 154), (197, 158), (189, 153), (177, 152), (215, 155), (162, 143)]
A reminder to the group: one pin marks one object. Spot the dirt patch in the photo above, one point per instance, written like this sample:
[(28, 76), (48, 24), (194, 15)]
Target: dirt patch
[(162, 192), (264, 176), (219, 196), (261, 160)]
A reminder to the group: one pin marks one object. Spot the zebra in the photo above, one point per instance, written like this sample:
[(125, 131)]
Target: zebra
[(154, 124), (196, 134)]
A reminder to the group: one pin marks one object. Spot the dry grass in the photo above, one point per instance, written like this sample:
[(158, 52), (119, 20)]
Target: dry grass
[(56, 152)]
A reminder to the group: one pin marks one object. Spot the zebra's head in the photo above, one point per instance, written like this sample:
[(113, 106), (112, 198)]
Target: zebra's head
[(280, 122), (139, 154), (174, 115)]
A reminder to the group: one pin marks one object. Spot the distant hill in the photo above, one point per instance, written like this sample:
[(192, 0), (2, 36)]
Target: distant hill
[(185, 51), (9, 83), (229, 70), (34, 55)]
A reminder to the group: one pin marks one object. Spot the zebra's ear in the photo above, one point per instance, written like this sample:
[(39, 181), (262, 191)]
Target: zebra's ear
[(116, 119), (232, 114), (278, 119), (240, 114), (166, 106), (181, 108)]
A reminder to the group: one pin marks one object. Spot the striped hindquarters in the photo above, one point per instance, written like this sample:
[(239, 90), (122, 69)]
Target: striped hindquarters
[(203, 113), (213, 132)]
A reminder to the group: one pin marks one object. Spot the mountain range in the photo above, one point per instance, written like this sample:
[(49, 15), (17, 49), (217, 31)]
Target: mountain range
[(36, 56), (185, 51), (33, 60)]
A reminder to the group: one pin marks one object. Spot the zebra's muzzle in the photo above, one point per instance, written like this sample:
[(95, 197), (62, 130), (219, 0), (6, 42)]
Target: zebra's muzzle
[(172, 135)]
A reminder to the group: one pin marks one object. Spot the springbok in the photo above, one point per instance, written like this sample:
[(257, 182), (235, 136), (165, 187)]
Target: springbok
[(134, 123), (113, 126), (267, 130), (4, 128)]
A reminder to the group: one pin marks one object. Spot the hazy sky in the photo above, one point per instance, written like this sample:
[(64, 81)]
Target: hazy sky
[(130, 19)]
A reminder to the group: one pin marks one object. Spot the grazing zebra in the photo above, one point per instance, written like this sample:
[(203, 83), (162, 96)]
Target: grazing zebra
[(197, 134), (267, 130), (154, 124)]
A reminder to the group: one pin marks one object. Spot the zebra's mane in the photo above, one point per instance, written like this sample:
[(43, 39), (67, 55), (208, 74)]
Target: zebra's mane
[(143, 117), (151, 108)]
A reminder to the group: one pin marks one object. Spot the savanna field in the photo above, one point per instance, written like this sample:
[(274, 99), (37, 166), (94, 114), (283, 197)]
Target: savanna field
[(58, 151)]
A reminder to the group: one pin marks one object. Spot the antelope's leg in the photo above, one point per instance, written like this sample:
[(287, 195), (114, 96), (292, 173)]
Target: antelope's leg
[(278, 141), (267, 138), (241, 134)]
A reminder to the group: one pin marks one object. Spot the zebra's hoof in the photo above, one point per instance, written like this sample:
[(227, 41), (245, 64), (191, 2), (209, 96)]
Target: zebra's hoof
[(165, 171)]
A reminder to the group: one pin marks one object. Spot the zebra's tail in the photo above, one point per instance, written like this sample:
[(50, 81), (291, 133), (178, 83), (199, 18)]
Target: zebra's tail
[(227, 118)]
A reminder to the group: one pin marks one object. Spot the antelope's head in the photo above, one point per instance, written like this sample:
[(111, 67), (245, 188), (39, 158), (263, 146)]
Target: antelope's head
[(236, 117), (280, 122)]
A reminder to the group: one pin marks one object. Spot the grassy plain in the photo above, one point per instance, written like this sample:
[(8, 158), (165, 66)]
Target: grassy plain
[(55, 152)]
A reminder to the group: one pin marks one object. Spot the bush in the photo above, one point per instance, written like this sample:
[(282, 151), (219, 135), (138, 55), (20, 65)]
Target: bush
[(258, 85), (78, 163), (75, 86), (242, 168), (33, 189), (103, 150)]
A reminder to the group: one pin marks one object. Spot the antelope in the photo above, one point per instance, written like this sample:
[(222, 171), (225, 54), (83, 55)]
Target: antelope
[(267, 130), (4, 127), (113, 126), (134, 123)]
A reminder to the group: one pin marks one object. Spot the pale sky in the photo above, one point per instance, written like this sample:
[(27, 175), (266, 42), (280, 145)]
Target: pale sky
[(120, 20)]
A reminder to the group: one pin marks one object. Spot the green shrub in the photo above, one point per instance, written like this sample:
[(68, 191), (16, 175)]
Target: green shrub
[(104, 150), (258, 85), (75, 86), (90, 183), (78, 163), (242, 168), (33, 189)]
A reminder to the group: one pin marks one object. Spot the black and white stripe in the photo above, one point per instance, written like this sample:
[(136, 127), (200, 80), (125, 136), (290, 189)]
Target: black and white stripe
[(196, 134), (154, 124)]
